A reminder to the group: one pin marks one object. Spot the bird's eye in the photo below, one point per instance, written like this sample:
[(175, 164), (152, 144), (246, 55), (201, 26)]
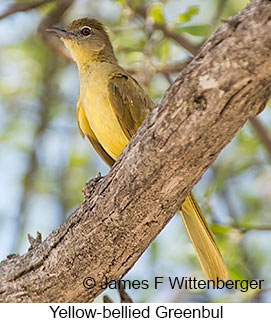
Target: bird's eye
[(86, 31)]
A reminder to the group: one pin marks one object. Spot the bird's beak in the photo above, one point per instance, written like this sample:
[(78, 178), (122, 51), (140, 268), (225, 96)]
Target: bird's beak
[(62, 33)]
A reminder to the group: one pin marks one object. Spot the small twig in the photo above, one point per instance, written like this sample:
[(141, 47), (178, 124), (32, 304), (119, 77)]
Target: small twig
[(34, 242), (166, 69), (246, 228), (107, 299), (124, 297), (172, 68), (179, 39), (262, 133), (18, 7)]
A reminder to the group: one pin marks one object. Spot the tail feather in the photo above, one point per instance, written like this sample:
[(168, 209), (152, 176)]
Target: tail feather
[(203, 241)]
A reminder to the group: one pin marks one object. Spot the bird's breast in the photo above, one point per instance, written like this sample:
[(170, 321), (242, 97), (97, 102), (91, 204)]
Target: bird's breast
[(101, 116)]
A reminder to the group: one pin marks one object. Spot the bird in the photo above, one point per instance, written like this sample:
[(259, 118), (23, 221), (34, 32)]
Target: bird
[(111, 106)]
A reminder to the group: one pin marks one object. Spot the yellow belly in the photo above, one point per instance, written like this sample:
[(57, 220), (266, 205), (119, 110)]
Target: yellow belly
[(104, 122)]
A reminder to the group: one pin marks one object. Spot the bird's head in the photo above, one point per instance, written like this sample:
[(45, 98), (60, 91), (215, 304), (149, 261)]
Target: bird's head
[(87, 41)]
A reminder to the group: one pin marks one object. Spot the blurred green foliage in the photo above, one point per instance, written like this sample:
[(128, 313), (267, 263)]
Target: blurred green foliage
[(44, 162)]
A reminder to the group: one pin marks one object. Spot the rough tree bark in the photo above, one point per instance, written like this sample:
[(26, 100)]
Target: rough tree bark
[(226, 83)]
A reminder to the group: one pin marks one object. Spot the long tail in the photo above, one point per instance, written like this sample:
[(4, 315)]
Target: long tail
[(203, 241)]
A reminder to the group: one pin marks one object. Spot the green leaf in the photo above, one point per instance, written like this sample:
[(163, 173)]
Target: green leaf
[(163, 50), (190, 12), (195, 30), (77, 160), (220, 229), (156, 12)]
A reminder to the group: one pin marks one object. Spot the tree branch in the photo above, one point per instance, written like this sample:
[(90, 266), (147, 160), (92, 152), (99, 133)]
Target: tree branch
[(193, 49), (226, 83), (19, 7), (166, 69)]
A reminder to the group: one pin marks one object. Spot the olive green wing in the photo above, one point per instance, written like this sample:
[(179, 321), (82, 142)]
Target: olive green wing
[(85, 130), (129, 101)]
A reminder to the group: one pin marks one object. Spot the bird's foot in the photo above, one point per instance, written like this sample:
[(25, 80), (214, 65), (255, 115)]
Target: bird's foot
[(90, 186)]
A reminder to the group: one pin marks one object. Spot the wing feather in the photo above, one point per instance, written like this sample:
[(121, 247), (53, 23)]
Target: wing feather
[(129, 101)]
